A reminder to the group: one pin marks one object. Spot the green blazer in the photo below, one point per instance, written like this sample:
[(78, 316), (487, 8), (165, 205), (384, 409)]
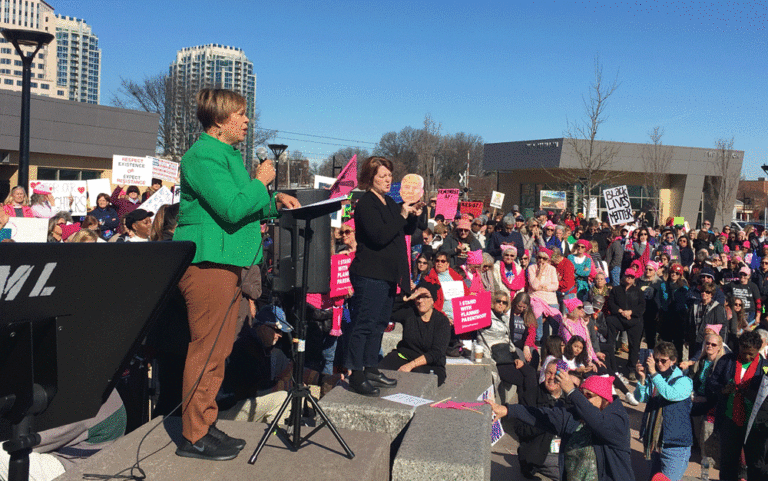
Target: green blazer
[(221, 206)]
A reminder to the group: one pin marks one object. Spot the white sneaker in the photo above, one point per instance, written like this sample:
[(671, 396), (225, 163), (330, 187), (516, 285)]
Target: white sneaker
[(630, 398)]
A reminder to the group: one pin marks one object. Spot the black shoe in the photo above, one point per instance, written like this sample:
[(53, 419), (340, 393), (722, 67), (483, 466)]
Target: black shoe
[(207, 447), (380, 380), (225, 439), (365, 388)]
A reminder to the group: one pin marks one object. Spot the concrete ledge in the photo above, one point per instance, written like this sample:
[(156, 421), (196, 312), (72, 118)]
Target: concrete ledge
[(465, 382), (321, 458), (349, 410), (443, 444)]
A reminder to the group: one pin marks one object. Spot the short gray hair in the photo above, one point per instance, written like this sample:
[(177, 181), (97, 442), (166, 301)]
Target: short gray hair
[(508, 219)]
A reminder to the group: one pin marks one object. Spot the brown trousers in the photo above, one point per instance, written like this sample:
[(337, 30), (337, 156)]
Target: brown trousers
[(208, 290)]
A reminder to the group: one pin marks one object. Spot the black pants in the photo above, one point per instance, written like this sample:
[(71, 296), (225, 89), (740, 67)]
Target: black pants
[(731, 439), (756, 452), (671, 328), (634, 328), (393, 361), (649, 323), (370, 310)]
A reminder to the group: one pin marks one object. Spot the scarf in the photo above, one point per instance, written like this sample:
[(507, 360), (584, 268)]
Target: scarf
[(516, 283), (737, 403)]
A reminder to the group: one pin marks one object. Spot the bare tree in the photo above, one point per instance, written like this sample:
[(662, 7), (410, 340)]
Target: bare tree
[(149, 95), (427, 147), (724, 181), (340, 159), (656, 160), (594, 159)]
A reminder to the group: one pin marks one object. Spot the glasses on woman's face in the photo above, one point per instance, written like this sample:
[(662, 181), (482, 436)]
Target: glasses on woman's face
[(542, 258), (512, 256), (644, 234), (346, 232), (525, 258), (738, 304), (421, 263), (502, 301), (713, 344), (662, 361), (674, 274), (461, 231)]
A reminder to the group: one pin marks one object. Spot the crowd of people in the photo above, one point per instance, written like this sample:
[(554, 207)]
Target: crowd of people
[(573, 300)]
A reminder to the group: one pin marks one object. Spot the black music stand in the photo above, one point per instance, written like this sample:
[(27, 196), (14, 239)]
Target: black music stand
[(299, 391), (71, 318)]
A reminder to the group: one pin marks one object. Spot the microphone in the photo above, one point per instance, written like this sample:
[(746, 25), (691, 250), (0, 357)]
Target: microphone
[(261, 154)]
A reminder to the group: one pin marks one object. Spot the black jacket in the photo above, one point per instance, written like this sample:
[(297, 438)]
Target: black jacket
[(493, 246), (380, 232), (631, 299)]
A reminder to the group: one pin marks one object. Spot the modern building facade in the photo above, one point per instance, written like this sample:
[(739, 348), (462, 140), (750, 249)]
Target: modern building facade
[(203, 66), (685, 186), (29, 15), (78, 60), (70, 140)]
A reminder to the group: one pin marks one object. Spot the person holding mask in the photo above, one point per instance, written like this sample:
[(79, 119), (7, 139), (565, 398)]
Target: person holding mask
[(17, 203), (594, 430), (380, 265), (668, 397), (220, 210)]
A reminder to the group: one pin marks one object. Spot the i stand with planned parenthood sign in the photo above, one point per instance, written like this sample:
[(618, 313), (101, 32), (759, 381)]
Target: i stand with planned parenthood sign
[(618, 205)]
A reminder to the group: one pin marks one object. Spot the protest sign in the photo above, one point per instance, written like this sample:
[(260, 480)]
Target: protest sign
[(452, 289), (471, 313), (618, 205), (66, 191), (407, 399), (552, 199), (131, 170), (96, 187), (161, 197), (347, 179), (589, 206), (447, 201), (27, 229), (323, 182), (678, 221), (497, 200), (162, 169), (394, 192), (474, 208), (340, 283), (176, 194)]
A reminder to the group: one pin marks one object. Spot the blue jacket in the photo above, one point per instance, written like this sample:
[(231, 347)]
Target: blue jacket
[(493, 247), (669, 393), (610, 430)]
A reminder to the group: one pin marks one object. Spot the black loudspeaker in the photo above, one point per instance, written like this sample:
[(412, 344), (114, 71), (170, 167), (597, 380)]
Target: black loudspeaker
[(287, 269)]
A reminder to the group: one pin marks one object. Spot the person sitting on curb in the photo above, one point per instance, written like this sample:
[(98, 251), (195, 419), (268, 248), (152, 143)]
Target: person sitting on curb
[(668, 397), (595, 431)]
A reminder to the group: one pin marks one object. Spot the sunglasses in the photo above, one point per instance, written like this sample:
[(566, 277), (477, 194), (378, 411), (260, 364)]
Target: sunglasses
[(462, 230), (525, 258), (662, 361), (713, 344), (441, 261), (346, 232), (501, 301), (544, 258), (421, 262), (737, 304)]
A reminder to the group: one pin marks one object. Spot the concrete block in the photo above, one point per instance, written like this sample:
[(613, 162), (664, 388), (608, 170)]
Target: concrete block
[(349, 410), (390, 339), (465, 382), (445, 444), (321, 458)]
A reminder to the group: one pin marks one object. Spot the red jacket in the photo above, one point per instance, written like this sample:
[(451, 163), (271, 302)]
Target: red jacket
[(432, 277), (566, 275)]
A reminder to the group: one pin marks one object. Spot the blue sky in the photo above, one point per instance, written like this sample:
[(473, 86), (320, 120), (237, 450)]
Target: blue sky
[(355, 70)]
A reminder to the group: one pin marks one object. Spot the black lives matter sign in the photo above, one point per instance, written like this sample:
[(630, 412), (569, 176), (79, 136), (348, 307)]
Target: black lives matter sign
[(617, 203)]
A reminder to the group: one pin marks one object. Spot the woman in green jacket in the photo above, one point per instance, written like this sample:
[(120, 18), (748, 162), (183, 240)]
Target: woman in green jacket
[(220, 211)]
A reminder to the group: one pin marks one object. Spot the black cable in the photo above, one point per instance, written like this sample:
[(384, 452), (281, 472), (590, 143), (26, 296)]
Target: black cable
[(142, 475), (321, 136)]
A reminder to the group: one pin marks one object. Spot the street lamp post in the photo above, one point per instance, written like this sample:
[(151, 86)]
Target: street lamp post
[(36, 39), (277, 150)]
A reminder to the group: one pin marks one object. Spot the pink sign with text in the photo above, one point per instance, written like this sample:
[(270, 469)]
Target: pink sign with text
[(340, 283), (471, 313), (447, 201)]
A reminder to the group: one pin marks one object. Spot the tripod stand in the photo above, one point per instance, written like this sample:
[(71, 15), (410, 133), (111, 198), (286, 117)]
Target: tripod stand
[(299, 392)]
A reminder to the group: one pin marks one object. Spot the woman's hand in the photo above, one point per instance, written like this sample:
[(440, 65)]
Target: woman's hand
[(527, 353), (265, 172), (600, 355), (499, 411), (406, 367), (519, 364), (285, 201)]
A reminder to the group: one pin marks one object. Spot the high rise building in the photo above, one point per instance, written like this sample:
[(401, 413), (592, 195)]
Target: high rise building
[(199, 67), (79, 60), (29, 15)]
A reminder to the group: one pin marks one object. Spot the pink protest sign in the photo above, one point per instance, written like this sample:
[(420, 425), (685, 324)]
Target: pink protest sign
[(474, 208), (471, 313), (340, 282), (447, 201), (347, 179)]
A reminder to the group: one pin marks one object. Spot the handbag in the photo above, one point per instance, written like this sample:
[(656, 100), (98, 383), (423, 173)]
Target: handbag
[(501, 354)]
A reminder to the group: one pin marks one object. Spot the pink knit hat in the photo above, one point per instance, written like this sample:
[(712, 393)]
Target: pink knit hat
[(40, 189), (599, 385), (572, 304), (653, 264), (475, 257), (545, 251), (69, 229), (714, 328), (584, 242), (631, 272), (507, 247), (549, 225), (746, 270), (464, 224), (350, 223)]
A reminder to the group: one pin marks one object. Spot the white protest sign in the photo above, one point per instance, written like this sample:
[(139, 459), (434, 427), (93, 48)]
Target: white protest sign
[(618, 205), (62, 191), (161, 197), (131, 170), (497, 200), (452, 289), (323, 182), (176, 194), (28, 229), (164, 169), (96, 187), (407, 399)]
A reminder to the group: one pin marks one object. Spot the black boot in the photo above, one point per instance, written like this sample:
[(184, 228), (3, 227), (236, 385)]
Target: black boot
[(376, 378), (360, 384)]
